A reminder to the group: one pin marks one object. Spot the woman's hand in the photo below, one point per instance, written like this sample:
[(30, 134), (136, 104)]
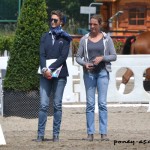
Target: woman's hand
[(89, 66), (47, 74), (97, 60)]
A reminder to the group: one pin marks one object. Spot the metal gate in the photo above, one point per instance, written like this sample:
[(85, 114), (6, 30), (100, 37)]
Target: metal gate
[(9, 10)]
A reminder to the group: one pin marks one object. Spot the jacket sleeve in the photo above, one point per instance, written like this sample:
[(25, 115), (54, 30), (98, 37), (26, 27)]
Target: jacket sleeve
[(110, 53), (80, 53)]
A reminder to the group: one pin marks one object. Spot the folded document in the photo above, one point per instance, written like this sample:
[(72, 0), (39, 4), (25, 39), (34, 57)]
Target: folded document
[(56, 72)]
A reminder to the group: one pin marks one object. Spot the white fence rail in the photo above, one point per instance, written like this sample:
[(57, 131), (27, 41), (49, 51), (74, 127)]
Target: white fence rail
[(75, 91)]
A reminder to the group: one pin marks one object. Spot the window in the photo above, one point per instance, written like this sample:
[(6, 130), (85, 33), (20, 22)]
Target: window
[(137, 16)]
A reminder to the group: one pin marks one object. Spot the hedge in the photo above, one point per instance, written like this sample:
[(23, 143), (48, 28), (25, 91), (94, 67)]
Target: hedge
[(6, 43), (22, 67)]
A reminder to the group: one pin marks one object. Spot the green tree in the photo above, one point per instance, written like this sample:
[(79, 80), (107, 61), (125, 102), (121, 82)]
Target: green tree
[(22, 67)]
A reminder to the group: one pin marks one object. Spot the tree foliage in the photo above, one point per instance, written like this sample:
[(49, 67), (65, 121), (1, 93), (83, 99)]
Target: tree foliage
[(24, 58), (6, 43)]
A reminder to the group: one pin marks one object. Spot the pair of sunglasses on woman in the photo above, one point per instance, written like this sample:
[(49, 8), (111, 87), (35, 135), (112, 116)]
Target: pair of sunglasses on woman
[(55, 20)]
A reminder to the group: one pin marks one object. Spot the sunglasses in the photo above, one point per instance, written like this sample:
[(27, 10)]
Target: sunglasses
[(94, 24), (55, 20)]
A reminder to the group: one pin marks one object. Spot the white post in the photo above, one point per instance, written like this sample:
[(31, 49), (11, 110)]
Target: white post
[(2, 139)]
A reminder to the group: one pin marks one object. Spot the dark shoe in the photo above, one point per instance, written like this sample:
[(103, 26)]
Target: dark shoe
[(40, 139), (90, 137), (104, 137), (55, 138)]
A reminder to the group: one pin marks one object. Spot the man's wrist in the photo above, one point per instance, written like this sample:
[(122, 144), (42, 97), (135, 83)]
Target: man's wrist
[(46, 69)]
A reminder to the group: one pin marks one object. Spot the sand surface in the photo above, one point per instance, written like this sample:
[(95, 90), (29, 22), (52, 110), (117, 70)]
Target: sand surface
[(128, 129)]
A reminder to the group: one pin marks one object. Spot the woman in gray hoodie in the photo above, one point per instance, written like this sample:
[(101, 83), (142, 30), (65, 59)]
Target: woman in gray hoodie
[(96, 51)]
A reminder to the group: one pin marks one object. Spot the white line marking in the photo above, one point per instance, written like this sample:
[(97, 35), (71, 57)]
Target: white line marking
[(109, 105)]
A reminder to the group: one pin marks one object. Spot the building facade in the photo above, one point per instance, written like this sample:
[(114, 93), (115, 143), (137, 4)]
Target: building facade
[(125, 15)]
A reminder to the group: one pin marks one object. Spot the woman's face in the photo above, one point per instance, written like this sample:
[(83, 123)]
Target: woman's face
[(94, 25), (55, 21)]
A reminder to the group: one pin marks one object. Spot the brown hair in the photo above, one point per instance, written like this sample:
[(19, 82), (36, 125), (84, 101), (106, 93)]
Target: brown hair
[(59, 14), (98, 18)]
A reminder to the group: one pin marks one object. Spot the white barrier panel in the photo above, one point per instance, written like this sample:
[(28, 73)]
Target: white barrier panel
[(69, 95), (75, 90), (138, 64)]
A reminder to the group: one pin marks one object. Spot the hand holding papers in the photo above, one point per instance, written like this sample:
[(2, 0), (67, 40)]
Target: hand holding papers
[(55, 72)]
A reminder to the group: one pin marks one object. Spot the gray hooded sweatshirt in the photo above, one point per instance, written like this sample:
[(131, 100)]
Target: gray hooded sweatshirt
[(109, 51)]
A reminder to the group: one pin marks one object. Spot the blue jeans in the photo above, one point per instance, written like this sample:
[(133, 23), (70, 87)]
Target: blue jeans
[(57, 86), (99, 81)]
